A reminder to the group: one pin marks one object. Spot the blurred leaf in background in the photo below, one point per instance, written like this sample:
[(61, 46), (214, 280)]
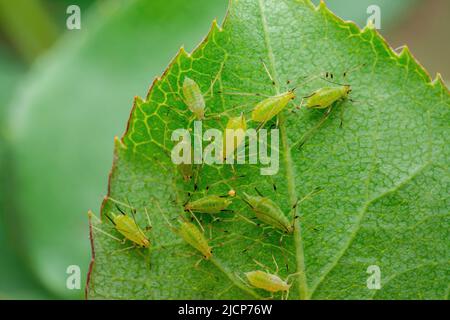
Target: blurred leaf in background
[(72, 104), (425, 31), (356, 10), (15, 279)]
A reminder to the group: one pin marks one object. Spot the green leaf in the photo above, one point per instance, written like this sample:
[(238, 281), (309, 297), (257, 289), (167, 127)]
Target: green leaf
[(70, 107), (384, 174)]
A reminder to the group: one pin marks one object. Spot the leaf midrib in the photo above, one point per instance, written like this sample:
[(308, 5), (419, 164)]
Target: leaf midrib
[(302, 285)]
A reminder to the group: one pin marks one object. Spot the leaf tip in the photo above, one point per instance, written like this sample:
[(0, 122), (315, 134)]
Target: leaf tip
[(215, 26), (183, 53), (439, 82), (405, 53), (119, 143)]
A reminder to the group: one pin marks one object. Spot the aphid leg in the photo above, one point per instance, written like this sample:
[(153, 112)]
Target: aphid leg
[(210, 91), (123, 250), (276, 265), (109, 235), (197, 220), (299, 107), (268, 73), (341, 116), (197, 264), (255, 242), (311, 95), (285, 258), (310, 132)]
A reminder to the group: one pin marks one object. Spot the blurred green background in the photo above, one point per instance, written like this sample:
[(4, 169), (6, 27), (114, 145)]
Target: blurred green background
[(65, 94)]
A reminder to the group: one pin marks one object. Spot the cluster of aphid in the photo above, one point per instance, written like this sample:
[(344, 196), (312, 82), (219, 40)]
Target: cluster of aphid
[(264, 209)]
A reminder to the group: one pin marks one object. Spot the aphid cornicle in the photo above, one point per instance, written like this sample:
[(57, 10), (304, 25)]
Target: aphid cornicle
[(210, 204), (194, 98), (128, 227), (269, 213), (267, 281), (186, 171), (195, 238), (325, 97)]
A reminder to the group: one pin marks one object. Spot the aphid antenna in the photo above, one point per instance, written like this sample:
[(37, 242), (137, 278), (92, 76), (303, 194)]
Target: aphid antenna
[(133, 209), (333, 82), (362, 65), (268, 72), (262, 265), (309, 79), (119, 202), (133, 215)]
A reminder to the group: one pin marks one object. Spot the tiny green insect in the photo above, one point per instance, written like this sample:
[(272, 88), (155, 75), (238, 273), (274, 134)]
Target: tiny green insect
[(212, 204), (272, 106), (128, 227), (236, 126), (194, 99), (269, 213), (267, 281), (325, 97), (195, 238)]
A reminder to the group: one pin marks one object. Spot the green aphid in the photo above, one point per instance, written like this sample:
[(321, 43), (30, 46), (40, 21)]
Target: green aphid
[(272, 106), (194, 99), (324, 97), (269, 213), (210, 204), (195, 238)]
